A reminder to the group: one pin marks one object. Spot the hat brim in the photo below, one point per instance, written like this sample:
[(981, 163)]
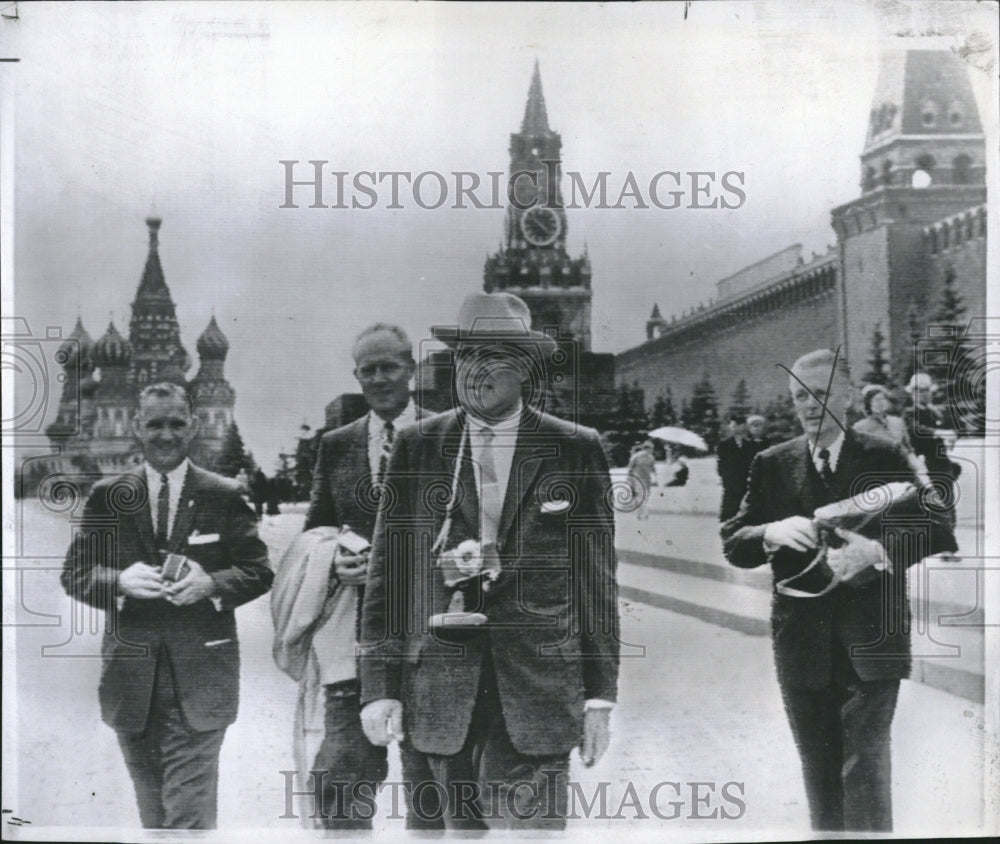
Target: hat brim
[(454, 337)]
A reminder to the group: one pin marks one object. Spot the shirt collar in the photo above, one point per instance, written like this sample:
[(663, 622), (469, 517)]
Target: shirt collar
[(833, 448), (507, 425), (174, 476), (376, 424)]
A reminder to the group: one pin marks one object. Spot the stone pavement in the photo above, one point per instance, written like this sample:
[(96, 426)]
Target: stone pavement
[(680, 549), (698, 704)]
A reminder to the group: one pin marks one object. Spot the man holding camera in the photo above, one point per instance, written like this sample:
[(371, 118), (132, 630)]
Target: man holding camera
[(840, 647), (168, 550), (350, 468), (490, 623)]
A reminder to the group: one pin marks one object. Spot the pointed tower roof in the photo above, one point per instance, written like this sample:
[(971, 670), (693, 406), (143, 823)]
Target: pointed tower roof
[(153, 285), (112, 349), (536, 119), (922, 93), (79, 342), (656, 312), (213, 343)]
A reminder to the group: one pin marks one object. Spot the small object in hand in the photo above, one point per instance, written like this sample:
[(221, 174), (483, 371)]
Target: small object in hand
[(352, 542), (175, 567)]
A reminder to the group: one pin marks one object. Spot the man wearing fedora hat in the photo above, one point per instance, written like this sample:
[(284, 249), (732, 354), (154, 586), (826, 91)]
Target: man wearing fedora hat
[(529, 671), (840, 650)]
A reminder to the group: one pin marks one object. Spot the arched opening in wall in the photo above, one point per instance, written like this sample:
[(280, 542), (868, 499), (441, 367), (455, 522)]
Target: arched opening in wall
[(887, 172), (928, 114), (961, 170), (868, 183), (921, 177)]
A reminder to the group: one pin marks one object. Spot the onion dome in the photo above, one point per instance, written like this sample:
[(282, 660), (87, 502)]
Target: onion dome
[(112, 349), (77, 347), (213, 343)]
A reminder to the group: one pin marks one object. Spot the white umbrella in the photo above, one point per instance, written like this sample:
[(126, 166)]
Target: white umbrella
[(680, 436)]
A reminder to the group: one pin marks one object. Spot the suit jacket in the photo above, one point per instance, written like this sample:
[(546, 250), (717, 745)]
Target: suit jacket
[(343, 489), (734, 467), (870, 622), (199, 640), (553, 612)]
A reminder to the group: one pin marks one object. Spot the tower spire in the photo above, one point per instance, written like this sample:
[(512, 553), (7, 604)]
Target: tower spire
[(536, 119), (153, 284)]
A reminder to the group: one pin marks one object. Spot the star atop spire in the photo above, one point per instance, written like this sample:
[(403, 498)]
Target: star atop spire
[(536, 119)]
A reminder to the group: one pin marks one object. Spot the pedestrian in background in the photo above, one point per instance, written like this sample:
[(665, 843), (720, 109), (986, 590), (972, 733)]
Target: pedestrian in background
[(642, 477)]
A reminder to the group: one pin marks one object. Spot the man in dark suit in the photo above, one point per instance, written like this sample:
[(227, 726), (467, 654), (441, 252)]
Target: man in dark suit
[(839, 655), (736, 453), (529, 670), (170, 679), (345, 492)]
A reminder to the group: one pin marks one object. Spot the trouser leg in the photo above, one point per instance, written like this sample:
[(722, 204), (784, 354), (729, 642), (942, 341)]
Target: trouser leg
[(866, 718), (352, 762), (813, 715)]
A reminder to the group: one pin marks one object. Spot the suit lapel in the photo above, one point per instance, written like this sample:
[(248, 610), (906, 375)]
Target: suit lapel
[(468, 505), (144, 522), (524, 469), (806, 480), (185, 511)]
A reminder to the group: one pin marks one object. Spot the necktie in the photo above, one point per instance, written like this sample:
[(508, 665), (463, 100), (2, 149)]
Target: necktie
[(163, 512), (826, 472), (388, 434), (491, 498)]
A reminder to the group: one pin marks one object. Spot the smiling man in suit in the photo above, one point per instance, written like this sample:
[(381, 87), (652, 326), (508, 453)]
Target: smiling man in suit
[(496, 679), (168, 551), (841, 653), (350, 468)]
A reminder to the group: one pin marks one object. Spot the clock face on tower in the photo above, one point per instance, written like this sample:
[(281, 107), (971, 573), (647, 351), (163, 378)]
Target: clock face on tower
[(540, 225)]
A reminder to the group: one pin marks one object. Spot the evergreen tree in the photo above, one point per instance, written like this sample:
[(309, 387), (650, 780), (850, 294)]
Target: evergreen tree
[(956, 363), (704, 412), (879, 370), (233, 456), (630, 425), (741, 400), (782, 422), (915, 329), (669, 414), (657, 417)]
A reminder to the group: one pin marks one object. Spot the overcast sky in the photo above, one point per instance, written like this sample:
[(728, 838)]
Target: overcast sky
[(187, 109)]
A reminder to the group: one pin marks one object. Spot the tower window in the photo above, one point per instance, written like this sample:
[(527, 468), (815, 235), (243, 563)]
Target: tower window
[(887, 172), (868, 183), (955, 114), (928, 115)]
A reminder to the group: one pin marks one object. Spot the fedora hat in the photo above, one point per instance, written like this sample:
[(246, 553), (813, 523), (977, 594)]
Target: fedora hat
[(920, 381), (494, 318)]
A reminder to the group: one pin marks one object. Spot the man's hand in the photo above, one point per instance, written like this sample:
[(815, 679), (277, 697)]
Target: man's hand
[(795, 532), (143, 581), (351, 569), (382, 721), (596, 735), (195, 586)]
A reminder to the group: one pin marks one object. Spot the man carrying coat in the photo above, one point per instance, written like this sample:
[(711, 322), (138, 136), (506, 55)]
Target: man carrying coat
[(169, 550), (840, 650), (495, 679)]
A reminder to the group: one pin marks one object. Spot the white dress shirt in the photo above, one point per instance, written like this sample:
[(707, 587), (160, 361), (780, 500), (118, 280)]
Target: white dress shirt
[(834, 450), (377, 433), (175, 477)]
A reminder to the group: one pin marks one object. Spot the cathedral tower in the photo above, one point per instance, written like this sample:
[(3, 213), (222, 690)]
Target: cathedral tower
[(923, 161), (153, 332)]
